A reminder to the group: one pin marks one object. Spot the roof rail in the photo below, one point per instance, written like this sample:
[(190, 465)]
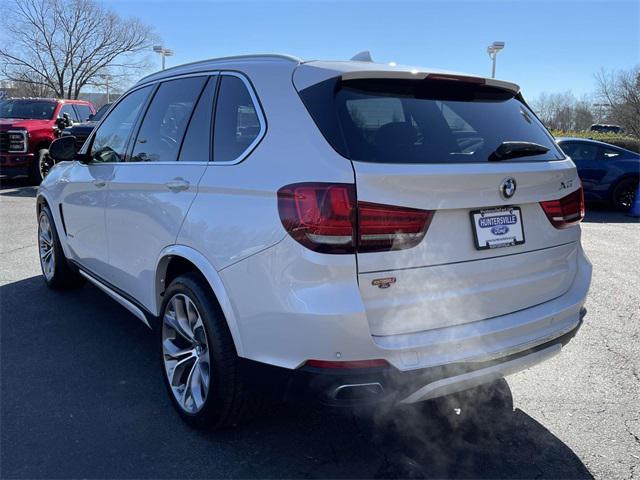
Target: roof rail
[(259, 56)]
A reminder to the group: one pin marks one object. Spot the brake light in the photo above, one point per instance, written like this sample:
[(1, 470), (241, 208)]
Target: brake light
[(456, 78), (326, 218), (566, 211)]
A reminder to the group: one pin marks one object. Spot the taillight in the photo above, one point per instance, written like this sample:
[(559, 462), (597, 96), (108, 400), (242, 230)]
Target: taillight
[(566, 211), (386, 227), (326, 218), (319, 216)]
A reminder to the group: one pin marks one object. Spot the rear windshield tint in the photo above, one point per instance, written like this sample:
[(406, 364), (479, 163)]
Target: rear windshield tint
[(422, 121)]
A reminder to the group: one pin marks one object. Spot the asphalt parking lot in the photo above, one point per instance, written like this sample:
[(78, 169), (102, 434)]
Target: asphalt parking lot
[(82, 396)]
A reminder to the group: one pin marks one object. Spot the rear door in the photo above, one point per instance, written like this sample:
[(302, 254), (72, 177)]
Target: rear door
[(488, 247), (150, 193)]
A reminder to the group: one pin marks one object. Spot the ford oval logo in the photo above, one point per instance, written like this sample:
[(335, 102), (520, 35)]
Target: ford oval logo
[(508, 187), (499, 229)]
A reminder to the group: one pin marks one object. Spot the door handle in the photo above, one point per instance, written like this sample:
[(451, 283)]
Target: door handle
[(99, 183), (177, 185)]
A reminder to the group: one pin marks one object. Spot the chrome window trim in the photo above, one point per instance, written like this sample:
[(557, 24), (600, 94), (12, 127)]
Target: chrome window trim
[(213, 73), (25, 141)]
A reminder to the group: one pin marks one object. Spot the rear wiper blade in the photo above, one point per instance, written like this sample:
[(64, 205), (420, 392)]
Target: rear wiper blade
[(508, 150)]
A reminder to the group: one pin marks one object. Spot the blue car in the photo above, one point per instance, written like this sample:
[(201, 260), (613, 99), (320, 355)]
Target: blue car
[(609, 174)]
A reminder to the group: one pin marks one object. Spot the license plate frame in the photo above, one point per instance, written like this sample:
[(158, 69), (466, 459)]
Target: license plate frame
[(494, 239)]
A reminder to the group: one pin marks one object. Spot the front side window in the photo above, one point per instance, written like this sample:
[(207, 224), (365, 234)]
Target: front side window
[(166, 120), (237, 124), (580, 152), (27, 109), (101, 112), (68, 109), (110, 141), (84, 112), (423, 121)]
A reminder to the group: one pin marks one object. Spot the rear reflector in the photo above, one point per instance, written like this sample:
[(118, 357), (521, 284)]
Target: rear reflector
[(348, 364), (566, 211), (326, 218)]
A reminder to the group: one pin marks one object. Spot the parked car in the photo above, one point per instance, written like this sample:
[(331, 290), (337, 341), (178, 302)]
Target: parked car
[(340, 232), (27, 128), (82, 130), (609, 174), (602, 128)]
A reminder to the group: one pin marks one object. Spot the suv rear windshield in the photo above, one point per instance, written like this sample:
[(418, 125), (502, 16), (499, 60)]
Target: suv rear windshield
[(422, 121), (27, 109)]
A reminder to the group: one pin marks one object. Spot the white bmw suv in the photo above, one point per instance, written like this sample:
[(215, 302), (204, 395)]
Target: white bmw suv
[(348, 232)]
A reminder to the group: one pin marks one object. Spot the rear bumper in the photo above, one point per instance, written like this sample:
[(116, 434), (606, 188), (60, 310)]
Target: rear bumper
[(347, 388)]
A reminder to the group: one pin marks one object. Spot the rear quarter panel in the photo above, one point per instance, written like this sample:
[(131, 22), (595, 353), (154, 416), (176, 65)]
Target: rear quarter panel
[(235, 214)]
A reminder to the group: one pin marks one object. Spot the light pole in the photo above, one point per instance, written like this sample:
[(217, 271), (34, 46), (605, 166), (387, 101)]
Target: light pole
[(106, 79), (493, 50), (163, 52)]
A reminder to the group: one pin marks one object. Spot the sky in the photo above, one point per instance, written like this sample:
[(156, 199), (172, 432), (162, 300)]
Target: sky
[(551, 46)]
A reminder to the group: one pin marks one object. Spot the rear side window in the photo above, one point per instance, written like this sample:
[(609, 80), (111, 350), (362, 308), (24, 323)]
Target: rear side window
[(422, 121), (166, 120), (237, 123), (609, 153)]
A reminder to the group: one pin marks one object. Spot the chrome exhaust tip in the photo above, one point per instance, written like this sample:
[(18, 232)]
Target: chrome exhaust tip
[(358, 391)]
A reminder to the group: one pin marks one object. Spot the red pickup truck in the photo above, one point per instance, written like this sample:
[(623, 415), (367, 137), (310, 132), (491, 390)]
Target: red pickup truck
[(27, 128)]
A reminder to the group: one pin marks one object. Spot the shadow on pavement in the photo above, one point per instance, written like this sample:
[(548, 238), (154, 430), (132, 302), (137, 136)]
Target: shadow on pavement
[(17, 187), (82, 396)]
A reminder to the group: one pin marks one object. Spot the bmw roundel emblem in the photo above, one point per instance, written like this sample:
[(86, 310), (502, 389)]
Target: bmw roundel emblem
[(508, 187)]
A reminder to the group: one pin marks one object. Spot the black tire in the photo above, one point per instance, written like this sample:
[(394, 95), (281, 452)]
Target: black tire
[(62, 275), (624, 194), (40, 167), (229, 400)]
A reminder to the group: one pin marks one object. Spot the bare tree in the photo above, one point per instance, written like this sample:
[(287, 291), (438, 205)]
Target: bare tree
[(64, 45), (562, 111), (620, 91)]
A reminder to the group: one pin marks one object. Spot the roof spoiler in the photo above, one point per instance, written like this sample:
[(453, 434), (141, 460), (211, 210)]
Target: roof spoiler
[(416, 74)]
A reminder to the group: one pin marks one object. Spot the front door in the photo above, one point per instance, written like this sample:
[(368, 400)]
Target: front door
[(150, 194), (84, 196)]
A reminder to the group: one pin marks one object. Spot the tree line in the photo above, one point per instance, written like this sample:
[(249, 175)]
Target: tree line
[(616, 101)]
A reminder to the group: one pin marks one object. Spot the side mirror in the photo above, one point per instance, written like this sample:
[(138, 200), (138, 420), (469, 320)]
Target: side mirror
[(61, 123), (67, 119), (63, 149), (90, 117)]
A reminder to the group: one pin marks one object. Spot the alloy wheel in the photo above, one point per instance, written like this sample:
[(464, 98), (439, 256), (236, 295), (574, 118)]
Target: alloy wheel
[(626, 197), (185, 353), (45, 245)]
